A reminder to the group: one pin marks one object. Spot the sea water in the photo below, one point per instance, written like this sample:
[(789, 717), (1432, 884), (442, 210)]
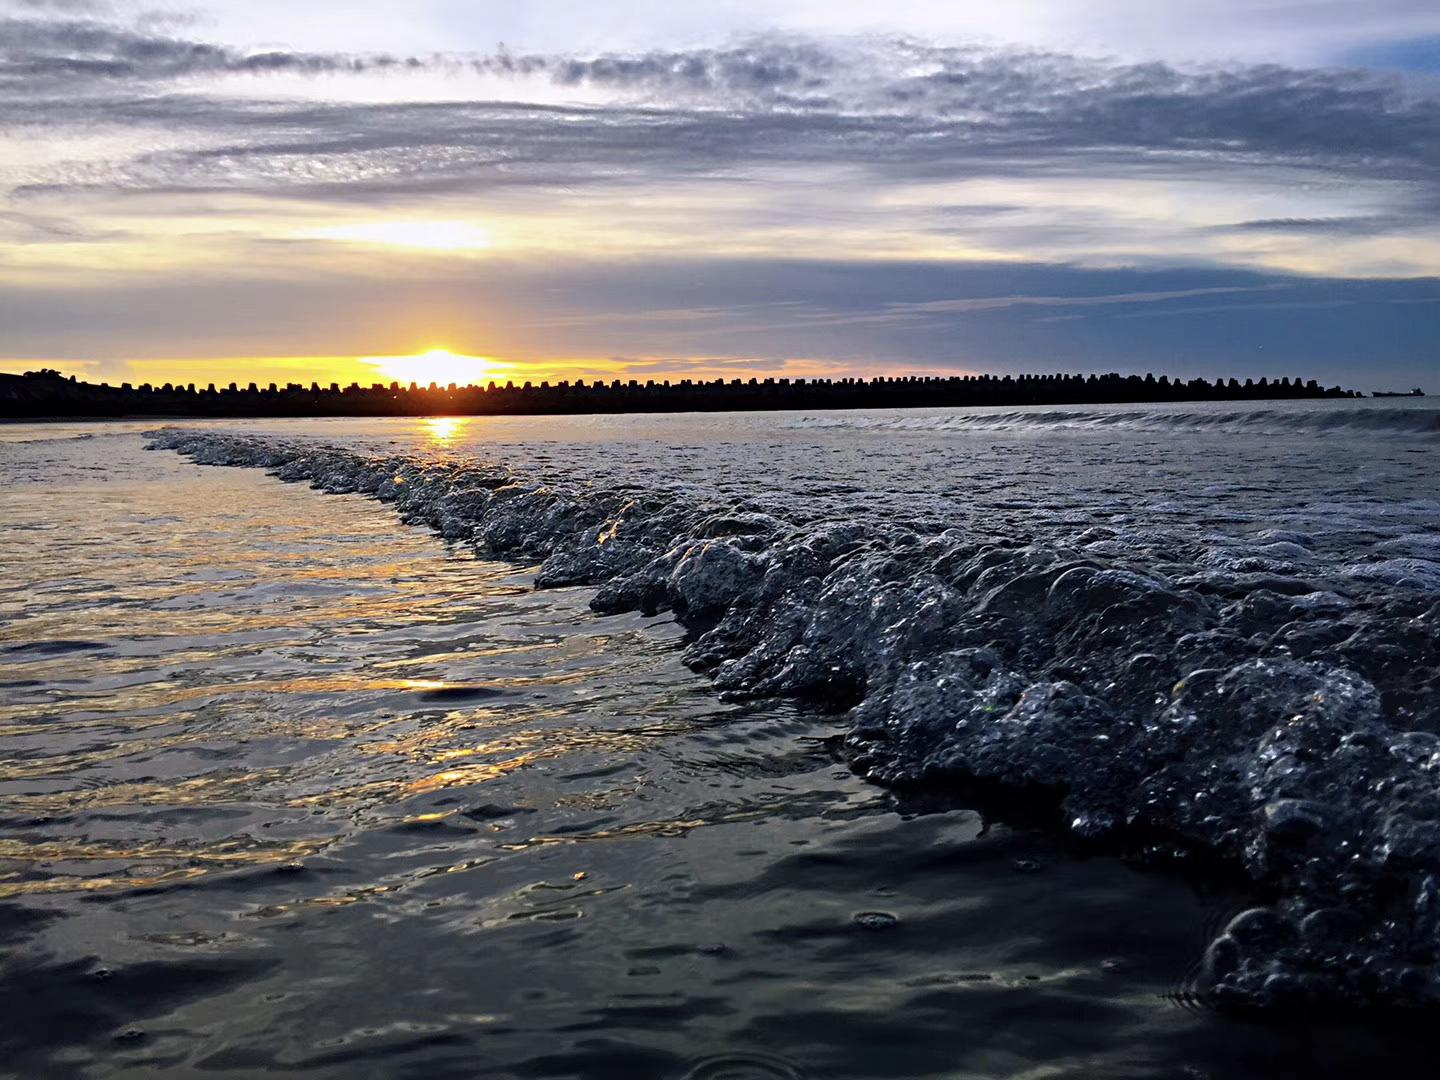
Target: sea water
[(957, 743)]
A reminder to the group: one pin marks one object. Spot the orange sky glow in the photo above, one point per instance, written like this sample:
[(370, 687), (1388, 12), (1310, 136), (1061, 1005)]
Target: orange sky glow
[(441, 366)]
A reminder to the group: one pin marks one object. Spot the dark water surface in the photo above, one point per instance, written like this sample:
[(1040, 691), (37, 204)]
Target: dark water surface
[(289, 788)]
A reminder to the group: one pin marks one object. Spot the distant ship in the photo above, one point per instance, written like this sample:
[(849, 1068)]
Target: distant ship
[(1417, 392)]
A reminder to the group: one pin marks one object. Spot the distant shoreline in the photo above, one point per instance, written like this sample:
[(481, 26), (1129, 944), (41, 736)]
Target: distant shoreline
[(45, 395)]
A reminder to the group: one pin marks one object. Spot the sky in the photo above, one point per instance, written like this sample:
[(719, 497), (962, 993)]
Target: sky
[(276, 191)]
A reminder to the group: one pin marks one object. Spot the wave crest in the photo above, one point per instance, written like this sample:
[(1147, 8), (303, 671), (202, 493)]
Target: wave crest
[(1380, 421)]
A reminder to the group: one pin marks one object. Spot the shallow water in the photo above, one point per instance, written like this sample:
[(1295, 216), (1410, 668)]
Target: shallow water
[(290, 787)]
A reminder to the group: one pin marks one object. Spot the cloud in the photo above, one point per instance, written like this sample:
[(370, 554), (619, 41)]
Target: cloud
[(898, 112), (38, 228), (823, 132), (755, 318), (51, 54), (992, 303), (1211, 309), (80, 53), (1345, 226), (69, 7), (903, 98), (764, 67)]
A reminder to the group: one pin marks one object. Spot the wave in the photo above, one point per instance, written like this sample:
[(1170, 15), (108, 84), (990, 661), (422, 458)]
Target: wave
[(1379, 421), (1261, 704), (19, 436)]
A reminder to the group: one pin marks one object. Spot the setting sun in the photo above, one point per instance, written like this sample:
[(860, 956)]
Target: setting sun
[(438, 366)]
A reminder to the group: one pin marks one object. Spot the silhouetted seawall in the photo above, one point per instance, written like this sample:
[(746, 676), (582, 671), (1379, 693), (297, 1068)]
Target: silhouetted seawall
[(47, 394)]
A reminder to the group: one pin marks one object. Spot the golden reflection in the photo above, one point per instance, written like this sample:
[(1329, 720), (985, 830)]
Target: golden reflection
[(443, 430), (422, 684), (197, 791), (185, 862), (367, 892), (473, 774)]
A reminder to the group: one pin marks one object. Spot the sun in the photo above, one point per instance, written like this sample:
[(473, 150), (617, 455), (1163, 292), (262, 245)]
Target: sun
[(438, 366)]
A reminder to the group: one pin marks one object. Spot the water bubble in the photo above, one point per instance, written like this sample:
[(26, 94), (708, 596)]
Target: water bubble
[(742, 1066), (875, 920)]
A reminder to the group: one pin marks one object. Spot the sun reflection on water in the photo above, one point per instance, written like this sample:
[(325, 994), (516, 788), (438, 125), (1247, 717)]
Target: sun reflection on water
[(444, 430), (390, 691)]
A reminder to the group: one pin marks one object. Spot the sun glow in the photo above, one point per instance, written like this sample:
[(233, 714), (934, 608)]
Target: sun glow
[(429, 235), (439, 366), (442, 431)]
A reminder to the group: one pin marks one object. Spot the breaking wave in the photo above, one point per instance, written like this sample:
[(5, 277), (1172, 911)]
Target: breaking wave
[(1260, 702), (1379, 421)]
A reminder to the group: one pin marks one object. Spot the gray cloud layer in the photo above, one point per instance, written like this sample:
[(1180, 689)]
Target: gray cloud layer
[(899, 109), (71, 54)]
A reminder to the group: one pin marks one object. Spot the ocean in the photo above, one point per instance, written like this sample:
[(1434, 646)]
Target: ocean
[(1095, 742)]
